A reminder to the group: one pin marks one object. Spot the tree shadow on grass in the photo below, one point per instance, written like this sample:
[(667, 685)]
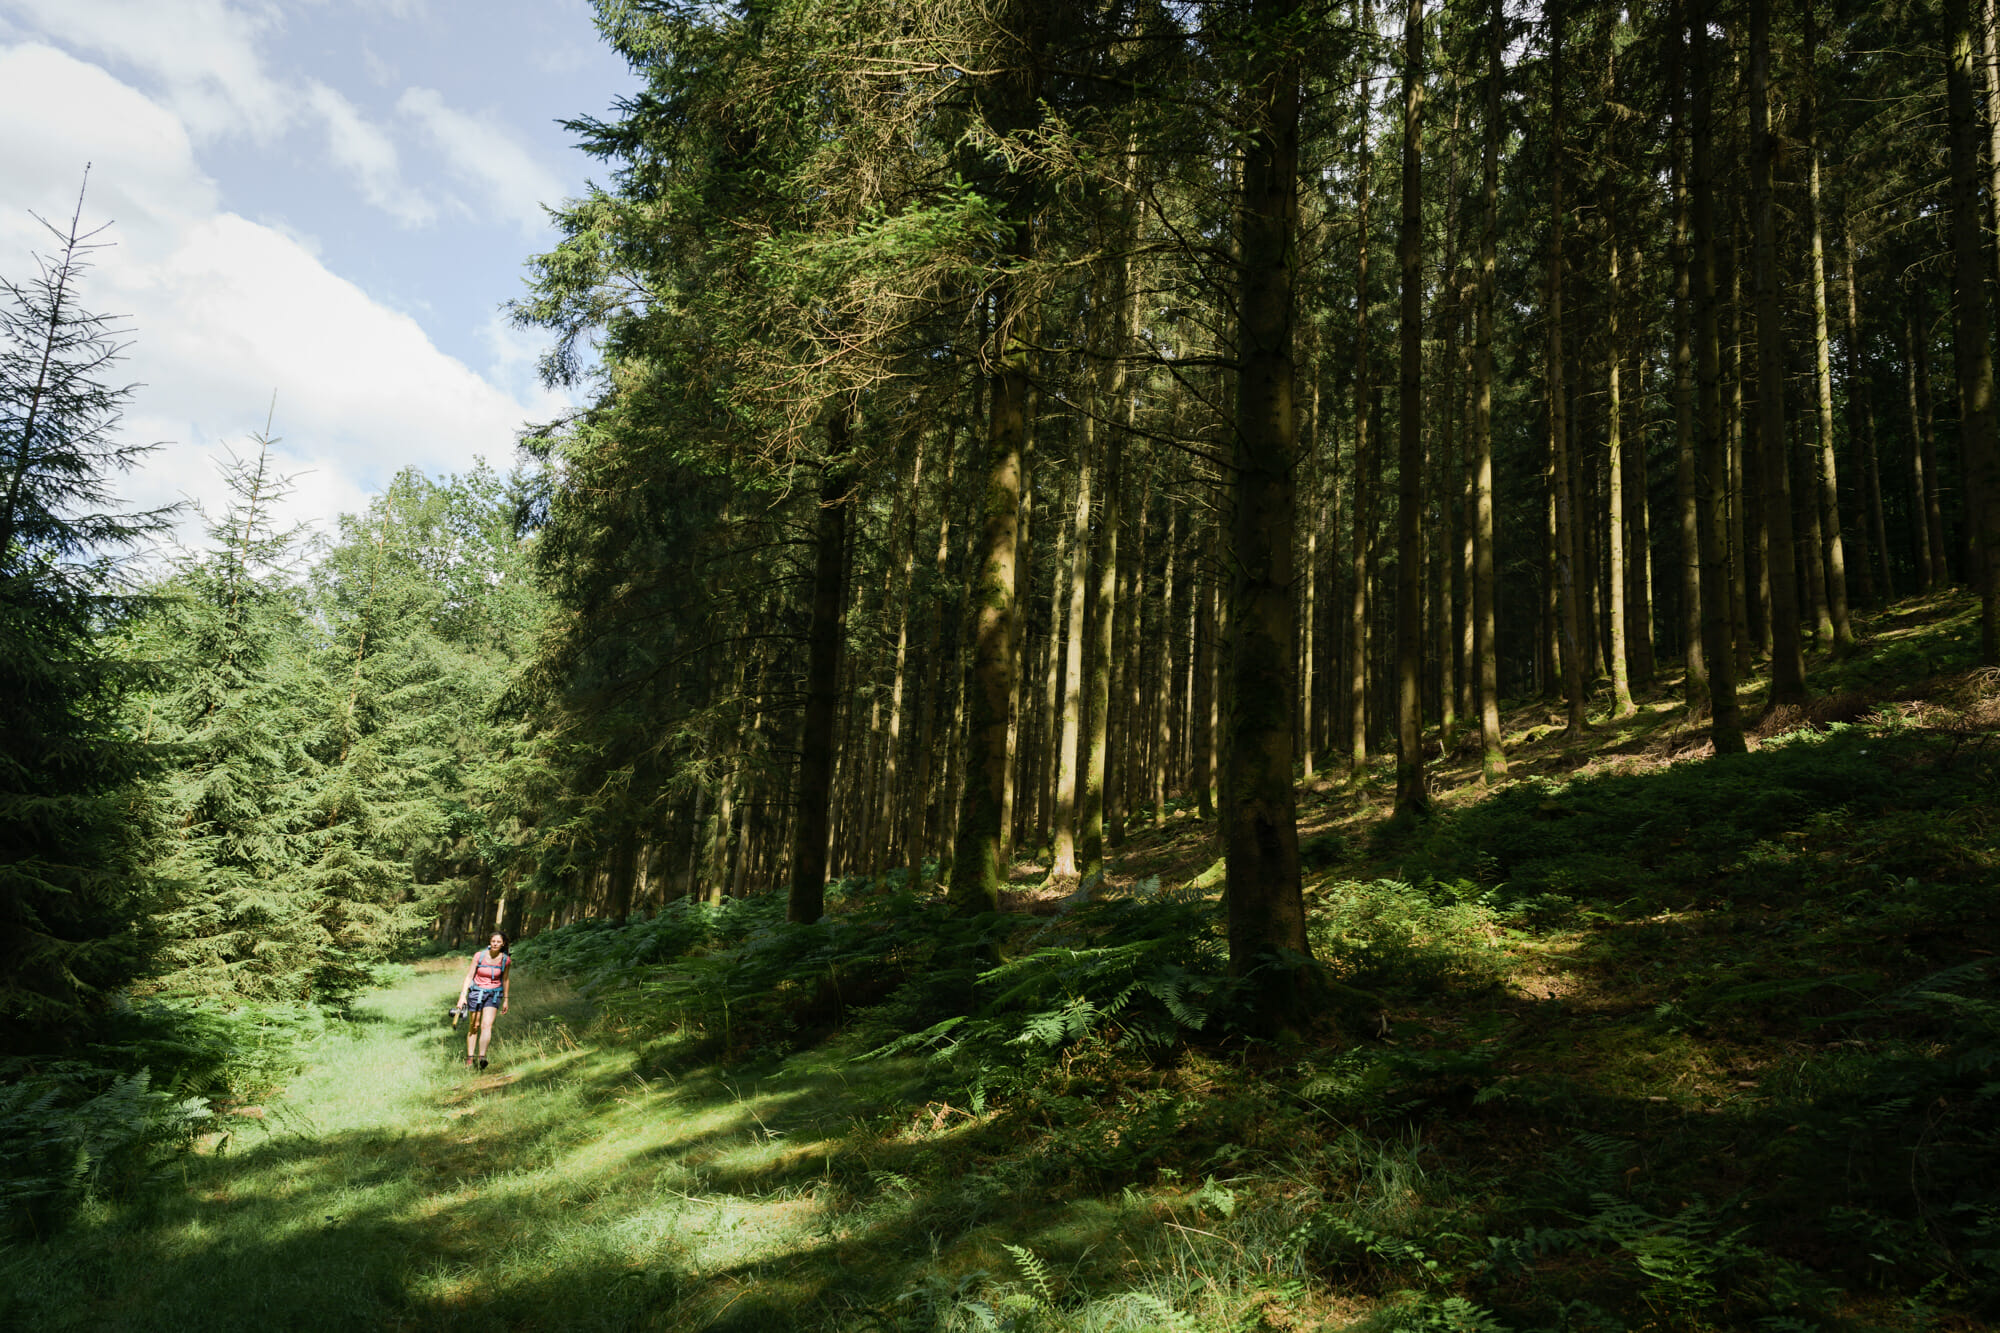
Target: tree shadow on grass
[(519, 1217), (577, 1198)]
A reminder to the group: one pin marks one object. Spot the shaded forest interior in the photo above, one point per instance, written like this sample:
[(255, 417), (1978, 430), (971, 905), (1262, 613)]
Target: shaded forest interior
[(1204, 578)]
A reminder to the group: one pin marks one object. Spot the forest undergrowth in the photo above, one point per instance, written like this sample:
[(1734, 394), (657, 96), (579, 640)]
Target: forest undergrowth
[(1642, 1038)]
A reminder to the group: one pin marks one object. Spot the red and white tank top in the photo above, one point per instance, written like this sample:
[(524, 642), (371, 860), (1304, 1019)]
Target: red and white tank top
[(487, 971)]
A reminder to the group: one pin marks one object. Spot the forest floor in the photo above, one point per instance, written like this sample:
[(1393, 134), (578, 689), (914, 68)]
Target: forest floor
[(1646, 1045)]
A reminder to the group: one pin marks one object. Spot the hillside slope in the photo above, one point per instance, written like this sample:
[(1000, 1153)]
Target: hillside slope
[(1641, 1039)]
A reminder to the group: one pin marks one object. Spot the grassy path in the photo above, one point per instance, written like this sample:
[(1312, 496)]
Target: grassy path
[(386, 1188)]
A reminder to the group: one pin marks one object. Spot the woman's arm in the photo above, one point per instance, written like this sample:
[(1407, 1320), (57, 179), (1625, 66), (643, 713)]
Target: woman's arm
[(465, 986), (506, 982)]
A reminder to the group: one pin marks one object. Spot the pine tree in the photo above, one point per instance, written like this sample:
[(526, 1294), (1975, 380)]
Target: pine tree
[(74, 890), (239, 724)]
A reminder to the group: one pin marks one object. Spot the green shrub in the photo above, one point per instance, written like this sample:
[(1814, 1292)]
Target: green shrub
[(599, 954), (103, 1123), (1389, 936)]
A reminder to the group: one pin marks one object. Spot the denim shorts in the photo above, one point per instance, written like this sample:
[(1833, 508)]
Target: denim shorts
[(482, 997)]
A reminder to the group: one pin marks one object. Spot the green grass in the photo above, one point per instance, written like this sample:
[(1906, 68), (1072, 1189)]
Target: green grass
[(570, 1187)]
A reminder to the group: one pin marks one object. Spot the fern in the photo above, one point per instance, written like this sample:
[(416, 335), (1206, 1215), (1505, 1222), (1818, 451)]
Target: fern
[(1219, 1197), (1040, 1282), (61, 1143), (1452, 1314), (1391, 1253), (932, 1037)]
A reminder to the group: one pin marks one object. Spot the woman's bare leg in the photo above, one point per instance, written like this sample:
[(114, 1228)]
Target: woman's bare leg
[(486, 1017)]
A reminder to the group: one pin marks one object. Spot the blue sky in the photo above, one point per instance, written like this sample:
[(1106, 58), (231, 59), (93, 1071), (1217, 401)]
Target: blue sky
[(325, 199)]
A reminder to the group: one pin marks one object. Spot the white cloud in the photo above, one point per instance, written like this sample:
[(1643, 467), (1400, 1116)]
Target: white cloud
[(366, 153), (403, 11), (204, 52), (225, 310), (42, 156), (380, 72), (484, 156), (205, 56)]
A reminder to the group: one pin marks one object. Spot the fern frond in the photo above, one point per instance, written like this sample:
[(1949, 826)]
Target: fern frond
[(1037, 1274)]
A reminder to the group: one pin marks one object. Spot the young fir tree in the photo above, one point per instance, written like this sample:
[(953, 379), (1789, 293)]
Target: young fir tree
[(239, 723), (74, 891), (384, 686)]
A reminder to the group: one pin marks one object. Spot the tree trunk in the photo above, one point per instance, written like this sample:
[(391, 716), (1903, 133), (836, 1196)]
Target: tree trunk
[(1132, 729), (1364, 455), (1726, 721), (1203, 705), (1874, 553), (1309, 589), (1266, 907), (1749, 622), (1639, 597), (1411, 798), (1972, 351), (1835, 553), (1010, 103), (1486, 642), (1567, 575), (1453, 537), (890, 831), (1788, 668), (1467, 505), (1166, 730), (1808, 546), (1929, 557), (1451, 545), (1614, 410), (1017, 634), (807, 900), (1069, 750), (1100, 613), (932, 699), (978, 870)]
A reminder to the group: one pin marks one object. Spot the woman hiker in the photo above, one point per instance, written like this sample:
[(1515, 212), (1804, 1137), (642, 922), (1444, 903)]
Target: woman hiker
[(485, 989)]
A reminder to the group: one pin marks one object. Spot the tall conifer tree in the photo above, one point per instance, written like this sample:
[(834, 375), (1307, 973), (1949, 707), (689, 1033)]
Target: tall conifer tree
[(74, 889)]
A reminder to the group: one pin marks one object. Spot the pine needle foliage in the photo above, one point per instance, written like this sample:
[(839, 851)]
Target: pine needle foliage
[(74, 887), (238, 723)]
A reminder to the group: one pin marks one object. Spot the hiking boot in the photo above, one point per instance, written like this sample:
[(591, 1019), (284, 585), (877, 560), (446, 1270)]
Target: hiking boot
[(469, 1064), (482, 1065)]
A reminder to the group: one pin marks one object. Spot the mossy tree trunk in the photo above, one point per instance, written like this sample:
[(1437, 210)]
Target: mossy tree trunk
[(1008, 102)]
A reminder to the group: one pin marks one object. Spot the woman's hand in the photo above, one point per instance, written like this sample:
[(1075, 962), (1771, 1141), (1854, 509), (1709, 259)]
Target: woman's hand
[(503, 1004)]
